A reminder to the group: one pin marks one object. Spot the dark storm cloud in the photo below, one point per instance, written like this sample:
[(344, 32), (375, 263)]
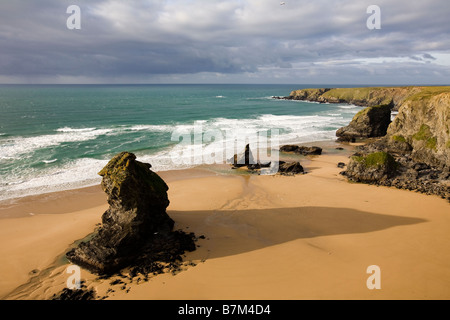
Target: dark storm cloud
[(255, 40)]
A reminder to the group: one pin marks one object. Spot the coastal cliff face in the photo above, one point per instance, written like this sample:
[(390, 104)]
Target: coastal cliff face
[(412, 152), (368, 97), (423, 121)]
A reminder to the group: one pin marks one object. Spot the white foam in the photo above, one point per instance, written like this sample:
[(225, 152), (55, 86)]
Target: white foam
[(72, 175), (306, 101), (261, 98), (153, 128), (16, 147), (83, 172), (293, 129), (351, 106), (68, 129), (49, 161)]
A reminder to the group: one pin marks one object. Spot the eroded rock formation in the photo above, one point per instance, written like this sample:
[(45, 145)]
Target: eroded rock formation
[(135, 225), (368, 123), (243, 159)]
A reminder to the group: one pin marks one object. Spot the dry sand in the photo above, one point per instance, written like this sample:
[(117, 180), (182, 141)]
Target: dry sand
[(309, 236)]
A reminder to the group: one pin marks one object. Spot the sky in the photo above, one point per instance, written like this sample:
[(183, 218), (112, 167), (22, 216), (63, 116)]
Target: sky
[(233, 41)]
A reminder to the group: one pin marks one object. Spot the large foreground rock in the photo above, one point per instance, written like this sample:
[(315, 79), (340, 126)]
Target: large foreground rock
[(136, 222), (368, 123)]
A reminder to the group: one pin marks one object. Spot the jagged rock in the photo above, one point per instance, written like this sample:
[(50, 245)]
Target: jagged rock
[(290, 167), (369, 122), (243, 159), (136, 221), (301, 149), (373, 167)]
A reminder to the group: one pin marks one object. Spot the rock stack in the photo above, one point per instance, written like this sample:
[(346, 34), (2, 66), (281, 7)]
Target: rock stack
[(136, 222), (243, 159)]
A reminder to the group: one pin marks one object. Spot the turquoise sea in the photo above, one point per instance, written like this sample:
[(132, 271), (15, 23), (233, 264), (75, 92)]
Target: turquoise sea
[(57, 137)]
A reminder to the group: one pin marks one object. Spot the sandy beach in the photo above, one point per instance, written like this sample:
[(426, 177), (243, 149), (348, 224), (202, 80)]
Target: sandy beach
[(308, 236)]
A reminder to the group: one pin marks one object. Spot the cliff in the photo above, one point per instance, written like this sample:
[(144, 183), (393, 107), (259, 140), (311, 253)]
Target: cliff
[(422, 123), (368, 96)]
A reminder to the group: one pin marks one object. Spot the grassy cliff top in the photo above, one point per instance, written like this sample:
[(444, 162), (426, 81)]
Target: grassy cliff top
[(427, 92), (370, 96)]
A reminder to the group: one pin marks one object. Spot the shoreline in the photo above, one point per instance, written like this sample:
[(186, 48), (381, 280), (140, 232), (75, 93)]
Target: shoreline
[(90, 193), (266, 237)]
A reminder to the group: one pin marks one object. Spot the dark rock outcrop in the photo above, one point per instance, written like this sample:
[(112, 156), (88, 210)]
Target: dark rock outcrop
[(301, 149), (135, 224), (369, 122), (243, 159), (408, 174), (290, 167), (374, 167), (81, 294), (258, 166)]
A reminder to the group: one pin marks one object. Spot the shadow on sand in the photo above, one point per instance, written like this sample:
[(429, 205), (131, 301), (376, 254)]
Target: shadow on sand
[(235, 232)]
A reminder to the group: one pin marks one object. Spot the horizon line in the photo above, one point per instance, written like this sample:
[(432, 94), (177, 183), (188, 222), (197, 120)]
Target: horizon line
[(273, 84)]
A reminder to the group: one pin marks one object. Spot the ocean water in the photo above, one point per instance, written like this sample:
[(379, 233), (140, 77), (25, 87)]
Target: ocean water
[(58, 137)]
